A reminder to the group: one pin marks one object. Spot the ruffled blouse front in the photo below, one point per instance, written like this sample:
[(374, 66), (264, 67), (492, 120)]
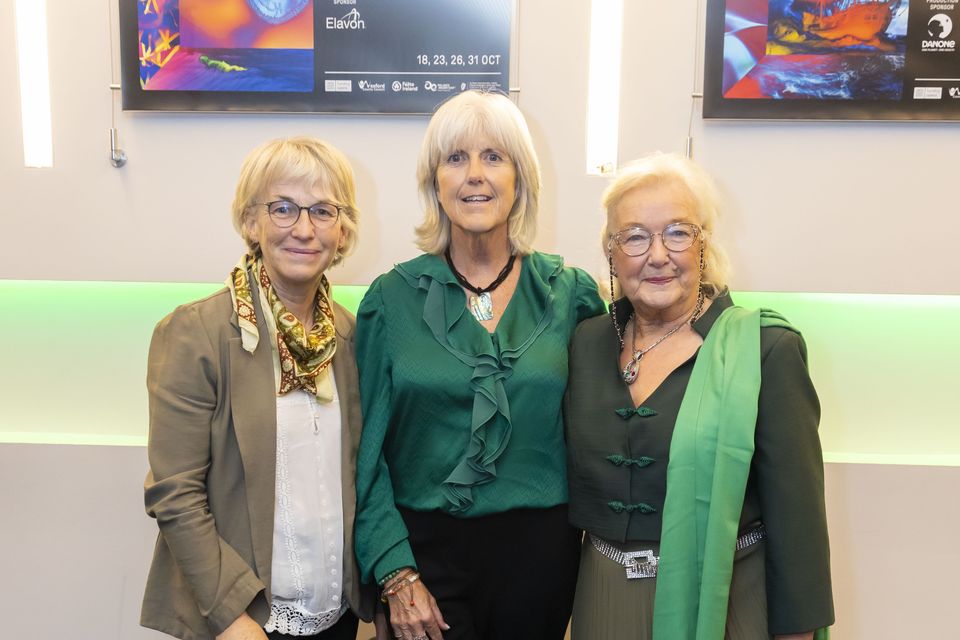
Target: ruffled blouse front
[(456, 418)]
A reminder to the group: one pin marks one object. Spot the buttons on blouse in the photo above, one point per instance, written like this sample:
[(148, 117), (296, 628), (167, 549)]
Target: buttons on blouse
[(628, 412), (619, 460), (618, 507)]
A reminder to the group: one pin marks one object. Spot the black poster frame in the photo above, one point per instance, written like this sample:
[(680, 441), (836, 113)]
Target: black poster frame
[(466, 46), (945, 108)]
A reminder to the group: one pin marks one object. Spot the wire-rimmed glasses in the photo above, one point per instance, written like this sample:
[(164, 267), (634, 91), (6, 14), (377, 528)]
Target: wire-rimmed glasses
[(285, 213), (635, 241)]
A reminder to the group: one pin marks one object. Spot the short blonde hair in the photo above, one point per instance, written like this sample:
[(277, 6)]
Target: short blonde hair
[(458, 121), (302, 160), (668, 169)]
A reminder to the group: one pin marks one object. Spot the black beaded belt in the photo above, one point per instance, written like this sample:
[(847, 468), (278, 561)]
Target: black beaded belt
[(644, 563)]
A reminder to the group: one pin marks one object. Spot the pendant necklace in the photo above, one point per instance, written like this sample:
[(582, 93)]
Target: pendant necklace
[(631, 370), (481, 304)]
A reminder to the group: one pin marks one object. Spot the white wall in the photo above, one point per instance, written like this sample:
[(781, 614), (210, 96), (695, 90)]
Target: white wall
[(836, 207)]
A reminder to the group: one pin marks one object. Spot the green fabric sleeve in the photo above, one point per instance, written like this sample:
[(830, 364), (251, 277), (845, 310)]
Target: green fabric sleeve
[(380, 534), (788, 464), (587, 297)]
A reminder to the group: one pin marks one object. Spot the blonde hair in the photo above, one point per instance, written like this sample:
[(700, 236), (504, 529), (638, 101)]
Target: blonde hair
[(663, 169), (304, 160), (467, 117)]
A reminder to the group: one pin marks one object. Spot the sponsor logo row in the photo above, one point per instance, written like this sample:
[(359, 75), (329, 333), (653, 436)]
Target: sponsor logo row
[(405, 86), (935, 93)]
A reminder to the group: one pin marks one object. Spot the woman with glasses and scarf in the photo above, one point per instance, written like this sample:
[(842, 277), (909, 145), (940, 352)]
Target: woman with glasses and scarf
[(255, 421), (694, 463)]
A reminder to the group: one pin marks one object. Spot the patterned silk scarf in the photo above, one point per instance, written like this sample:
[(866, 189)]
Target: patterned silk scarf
[(301, 359)]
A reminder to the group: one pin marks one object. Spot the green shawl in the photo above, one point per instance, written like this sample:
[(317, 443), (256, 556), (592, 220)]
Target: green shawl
[(707, 477)]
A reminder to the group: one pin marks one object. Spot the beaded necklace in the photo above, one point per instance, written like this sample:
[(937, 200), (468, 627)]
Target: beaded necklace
[(481, 304)]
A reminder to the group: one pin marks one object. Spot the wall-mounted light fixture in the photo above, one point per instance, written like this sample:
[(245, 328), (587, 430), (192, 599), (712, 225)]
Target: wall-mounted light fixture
[(603, 89), (31, 18)]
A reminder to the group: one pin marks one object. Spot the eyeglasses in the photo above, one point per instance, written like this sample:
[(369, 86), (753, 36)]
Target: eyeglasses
[(636, 241), (285, 214)]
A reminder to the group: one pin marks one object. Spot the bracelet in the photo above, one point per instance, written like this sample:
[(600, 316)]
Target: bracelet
[(390, 576), (398, 584), (394, 578)]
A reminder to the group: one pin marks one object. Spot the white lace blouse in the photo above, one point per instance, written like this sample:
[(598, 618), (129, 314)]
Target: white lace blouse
[(307, 574)]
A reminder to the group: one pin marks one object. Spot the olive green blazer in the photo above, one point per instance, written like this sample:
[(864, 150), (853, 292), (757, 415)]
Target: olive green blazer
[(212, 451)]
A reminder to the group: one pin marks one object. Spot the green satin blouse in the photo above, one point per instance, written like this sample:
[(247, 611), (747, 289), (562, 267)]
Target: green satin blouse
[(458, 419)]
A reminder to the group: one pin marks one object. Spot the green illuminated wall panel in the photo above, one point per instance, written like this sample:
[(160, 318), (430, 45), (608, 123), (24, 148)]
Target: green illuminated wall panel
[(74, 356), (74, 360), (885, 367)]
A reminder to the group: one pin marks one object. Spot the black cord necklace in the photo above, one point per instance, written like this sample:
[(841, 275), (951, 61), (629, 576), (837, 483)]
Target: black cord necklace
[(481, 305)]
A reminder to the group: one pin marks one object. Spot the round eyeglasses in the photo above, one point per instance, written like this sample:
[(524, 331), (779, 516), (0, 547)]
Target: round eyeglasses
[(636, 241), (285, 213)]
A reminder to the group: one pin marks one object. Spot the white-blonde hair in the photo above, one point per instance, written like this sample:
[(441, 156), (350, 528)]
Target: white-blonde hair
[(673, 170), (462, 119), (302, 160)]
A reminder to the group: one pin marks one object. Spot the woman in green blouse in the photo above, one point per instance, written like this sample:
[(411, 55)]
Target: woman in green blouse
[(461, 482), (699, 486)]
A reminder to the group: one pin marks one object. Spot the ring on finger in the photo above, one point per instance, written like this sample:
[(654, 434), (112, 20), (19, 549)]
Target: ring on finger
[(422, 636)]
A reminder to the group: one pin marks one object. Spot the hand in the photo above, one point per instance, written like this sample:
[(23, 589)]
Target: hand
[(414, 613), (243, 628)]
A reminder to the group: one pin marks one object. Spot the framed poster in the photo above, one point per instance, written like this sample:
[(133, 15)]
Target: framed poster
[(832, 59), (353, 56)]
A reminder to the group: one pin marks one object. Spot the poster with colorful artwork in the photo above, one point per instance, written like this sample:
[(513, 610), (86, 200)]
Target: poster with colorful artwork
[(832, 59), (225, 45), (357, 56)]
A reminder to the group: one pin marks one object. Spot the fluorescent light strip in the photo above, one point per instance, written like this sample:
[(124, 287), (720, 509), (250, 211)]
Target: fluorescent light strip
[(34, 82), (603, 91)]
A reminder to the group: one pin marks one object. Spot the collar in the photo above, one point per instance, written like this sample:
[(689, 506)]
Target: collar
[(705, 322), (446, 304), (430, 266), (436, 268)]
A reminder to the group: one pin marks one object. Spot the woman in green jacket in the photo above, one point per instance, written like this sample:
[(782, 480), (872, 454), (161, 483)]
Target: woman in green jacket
[(461, 482), (700, 487)]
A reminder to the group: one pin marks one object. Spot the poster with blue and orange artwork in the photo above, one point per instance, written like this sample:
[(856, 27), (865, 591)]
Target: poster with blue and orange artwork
[(225, 45), (353, 56), (832, 59)]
